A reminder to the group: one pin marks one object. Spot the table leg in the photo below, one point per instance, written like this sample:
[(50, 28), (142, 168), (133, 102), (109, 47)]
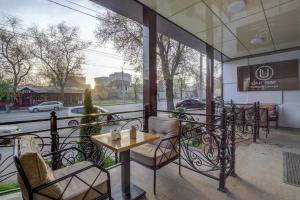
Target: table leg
[(128, 191), (125, 172)]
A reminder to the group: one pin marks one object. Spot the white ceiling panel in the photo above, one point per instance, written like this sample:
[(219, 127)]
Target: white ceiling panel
[(216, 35), (232, 48), (250, 28), (222, 9), (168, 8), (196, 18), (259, 26), (273, 3), (285, 24)]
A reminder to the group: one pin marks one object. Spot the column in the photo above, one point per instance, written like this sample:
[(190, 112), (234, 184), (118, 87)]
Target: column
[(149, 65), (209, 82)]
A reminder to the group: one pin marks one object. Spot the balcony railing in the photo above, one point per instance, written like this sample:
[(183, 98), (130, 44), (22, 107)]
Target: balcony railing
[(205, 148)]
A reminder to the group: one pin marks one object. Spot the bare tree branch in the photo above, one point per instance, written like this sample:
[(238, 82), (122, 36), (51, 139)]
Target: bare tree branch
[(60, 51)]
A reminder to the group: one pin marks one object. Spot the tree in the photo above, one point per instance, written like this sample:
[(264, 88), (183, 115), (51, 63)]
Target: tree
[(59, 48), (7, 93), (86, 131), (181, 82), (198, 73), (126, 36), (136, 85), (15, 52)]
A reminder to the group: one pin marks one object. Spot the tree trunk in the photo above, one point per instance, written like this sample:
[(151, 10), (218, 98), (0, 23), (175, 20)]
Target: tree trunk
[(201, 78), (170, 95), (62, 94), (135, 96), (181, 89), (181, 94)]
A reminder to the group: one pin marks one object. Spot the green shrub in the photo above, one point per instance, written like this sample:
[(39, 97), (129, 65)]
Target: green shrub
[(8, 186), (86, 144)]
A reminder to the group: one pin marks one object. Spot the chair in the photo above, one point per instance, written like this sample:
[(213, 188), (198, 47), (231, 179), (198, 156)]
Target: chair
[(264, 120), (160, 153), (83, 180), (273, 113)]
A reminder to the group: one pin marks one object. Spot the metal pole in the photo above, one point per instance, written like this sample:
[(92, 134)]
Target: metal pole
[(122, 85), (254, 123), (232, 147), (54, 141), (257, 119), (222, 177)]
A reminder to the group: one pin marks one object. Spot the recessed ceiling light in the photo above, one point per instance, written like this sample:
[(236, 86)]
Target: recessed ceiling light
[(236, 6), (257, 40)]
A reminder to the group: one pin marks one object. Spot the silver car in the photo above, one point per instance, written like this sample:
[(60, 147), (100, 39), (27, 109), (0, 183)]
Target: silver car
[(78, 111), (46, 106), (7, 130)]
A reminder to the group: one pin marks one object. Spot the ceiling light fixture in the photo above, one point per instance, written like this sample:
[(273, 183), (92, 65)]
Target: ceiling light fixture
[(236, 6), (257, 40)]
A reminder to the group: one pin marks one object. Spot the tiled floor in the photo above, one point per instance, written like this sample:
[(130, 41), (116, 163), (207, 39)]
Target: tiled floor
[(259, 170)]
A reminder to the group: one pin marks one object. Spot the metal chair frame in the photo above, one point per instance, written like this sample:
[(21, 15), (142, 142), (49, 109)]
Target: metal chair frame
[(37, 190)]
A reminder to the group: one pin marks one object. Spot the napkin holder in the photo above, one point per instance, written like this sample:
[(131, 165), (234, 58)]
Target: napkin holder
[(115, 134)]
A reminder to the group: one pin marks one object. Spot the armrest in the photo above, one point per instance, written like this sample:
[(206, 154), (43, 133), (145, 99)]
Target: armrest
[(62, 150), (45, 185), (164, 140)]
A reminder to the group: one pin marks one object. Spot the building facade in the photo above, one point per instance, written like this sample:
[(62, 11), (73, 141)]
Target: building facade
[(30, 95)]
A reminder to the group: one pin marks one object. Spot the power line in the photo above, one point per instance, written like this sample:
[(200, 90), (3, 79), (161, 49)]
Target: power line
[(110, 67), (88, 50), (74, 9), (77, 4)]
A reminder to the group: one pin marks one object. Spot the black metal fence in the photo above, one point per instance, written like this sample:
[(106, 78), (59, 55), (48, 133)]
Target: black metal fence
[(56, 138), (205, 148)]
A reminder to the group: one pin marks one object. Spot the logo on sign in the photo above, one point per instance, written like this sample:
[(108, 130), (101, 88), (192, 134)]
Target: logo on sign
[(264, 73)]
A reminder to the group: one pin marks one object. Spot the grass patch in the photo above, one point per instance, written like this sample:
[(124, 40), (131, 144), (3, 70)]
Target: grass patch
[(8, 186), (194, 144), (108, 161)]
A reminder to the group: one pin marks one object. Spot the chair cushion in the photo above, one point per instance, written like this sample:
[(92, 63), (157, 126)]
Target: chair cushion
[(272, 110), (263, 113), (36, 169), (165, 127), (76, 189), (145, 154)]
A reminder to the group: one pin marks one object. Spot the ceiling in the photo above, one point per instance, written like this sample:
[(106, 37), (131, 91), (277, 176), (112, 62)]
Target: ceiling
[(260, 26)]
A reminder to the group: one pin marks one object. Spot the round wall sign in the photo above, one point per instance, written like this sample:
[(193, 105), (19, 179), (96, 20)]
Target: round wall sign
[(264, 73)]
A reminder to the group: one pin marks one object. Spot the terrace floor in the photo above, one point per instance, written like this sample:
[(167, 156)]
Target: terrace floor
[(259, 168)]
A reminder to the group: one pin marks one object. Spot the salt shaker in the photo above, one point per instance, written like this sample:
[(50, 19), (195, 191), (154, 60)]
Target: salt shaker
[(133, 132)]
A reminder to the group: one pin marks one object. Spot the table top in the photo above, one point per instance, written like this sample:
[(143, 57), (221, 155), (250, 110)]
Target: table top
[(125, 143)]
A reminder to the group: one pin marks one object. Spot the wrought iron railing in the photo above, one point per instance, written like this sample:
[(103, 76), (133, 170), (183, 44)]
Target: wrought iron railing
[(57, 138), (206, 148)]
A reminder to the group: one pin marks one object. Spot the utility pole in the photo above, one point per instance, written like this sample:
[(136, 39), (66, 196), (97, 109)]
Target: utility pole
[(122, 86)]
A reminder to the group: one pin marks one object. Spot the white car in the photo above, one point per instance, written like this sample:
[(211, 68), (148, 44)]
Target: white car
[(79, 110), (46, 106), (7, 130)]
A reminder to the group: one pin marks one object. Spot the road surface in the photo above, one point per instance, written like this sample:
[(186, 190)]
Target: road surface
[(24, 115)]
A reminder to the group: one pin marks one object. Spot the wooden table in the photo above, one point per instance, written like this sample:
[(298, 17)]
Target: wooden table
[(123, 146)]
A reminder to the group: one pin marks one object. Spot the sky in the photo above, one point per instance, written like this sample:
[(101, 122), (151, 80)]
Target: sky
[(100, 61)]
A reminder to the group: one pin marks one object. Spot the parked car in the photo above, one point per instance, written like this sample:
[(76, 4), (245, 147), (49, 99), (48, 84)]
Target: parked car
[(7, 130), (190, 103), (79, 110), (46, 106)]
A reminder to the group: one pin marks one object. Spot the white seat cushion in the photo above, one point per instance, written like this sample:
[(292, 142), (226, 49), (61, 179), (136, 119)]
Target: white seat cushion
[(145, 154), (77, 189)]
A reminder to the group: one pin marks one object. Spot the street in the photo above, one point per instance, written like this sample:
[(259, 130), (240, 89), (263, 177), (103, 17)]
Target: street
[(7, 150), (25, 115)]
